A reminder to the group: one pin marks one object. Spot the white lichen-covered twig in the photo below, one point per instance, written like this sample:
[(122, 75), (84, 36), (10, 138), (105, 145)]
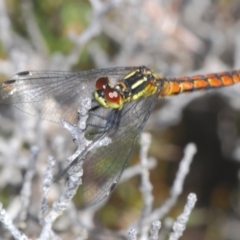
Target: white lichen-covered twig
[(135, 170), (132, 234), (75, 173), (7, 222), (176, 189), (49, 215), (180, 224), (47, 181), (146, 186), (27, 185), (155, 227), (149, 216)]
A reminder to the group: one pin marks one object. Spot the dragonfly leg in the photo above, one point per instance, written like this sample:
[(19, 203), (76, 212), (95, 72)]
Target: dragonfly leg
[(112, 122), (96, 114)]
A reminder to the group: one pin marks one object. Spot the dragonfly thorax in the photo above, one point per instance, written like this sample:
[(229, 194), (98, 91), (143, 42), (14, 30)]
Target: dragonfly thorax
[(139, 83)]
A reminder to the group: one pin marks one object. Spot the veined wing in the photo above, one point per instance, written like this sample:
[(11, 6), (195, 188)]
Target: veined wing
[(55, 95), (103, 167)]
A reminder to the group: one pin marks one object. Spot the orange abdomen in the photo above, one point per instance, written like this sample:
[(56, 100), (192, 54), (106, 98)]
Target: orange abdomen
[(173, 86)]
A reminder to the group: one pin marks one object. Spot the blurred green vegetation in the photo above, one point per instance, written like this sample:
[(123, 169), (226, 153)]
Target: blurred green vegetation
[(2, 52), (56, 19), (7, 194)]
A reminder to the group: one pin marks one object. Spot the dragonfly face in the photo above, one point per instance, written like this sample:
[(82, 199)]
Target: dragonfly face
[(123, 99)]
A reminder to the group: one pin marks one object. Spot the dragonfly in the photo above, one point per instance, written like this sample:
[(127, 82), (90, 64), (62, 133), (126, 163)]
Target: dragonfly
[(122, 99)]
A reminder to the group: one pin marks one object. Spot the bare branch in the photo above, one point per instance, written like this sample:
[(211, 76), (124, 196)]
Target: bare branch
[(146, 186), (132, 234), (156, 225), (180, 224), (8, 224), (27, 185), (176, 189)]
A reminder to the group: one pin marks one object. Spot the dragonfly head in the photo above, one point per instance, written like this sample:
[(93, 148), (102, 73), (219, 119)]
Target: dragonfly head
[(107, 96)]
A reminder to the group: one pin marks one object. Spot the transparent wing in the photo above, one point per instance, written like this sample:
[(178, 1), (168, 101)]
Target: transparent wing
[(55, 95), (103, 167)]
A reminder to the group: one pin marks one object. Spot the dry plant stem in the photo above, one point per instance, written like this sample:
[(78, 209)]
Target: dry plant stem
[(47, 233), (8, 224), (27, 184), (75, 173), (135, 170), (146, 186), (180, 224), (132, 234), (156, 225), (47, 181), (74, 180), (176, 189), (49, 215)]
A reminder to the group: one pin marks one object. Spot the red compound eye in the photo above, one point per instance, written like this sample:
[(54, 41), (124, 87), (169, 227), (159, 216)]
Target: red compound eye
[(101, 83), (113, 98)]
